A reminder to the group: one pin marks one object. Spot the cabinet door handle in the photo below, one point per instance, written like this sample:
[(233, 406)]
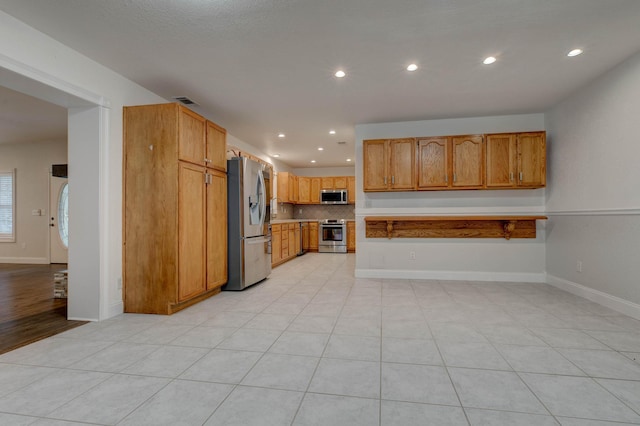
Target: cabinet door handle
[(385, 180), (446, 179), (511, 177), (393, 180), (520, 176), (455, 178)]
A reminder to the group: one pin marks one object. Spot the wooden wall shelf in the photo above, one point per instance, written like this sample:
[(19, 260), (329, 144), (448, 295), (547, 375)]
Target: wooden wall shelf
[(506, 227)]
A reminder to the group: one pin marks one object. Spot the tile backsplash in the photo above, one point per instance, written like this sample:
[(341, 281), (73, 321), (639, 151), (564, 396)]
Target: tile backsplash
[(323, 211)]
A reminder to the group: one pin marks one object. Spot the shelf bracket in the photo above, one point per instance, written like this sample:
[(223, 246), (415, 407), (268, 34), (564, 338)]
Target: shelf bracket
[(389, 228), (508, 228)]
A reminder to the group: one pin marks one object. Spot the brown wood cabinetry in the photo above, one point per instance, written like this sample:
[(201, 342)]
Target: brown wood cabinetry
[(351, 189), (216, 229), (216, 157), (340, 182), (389, 165), (283, 187), (293, 188), (298, 241), (531, 152), (313, 236), (304, 190), (516, 160), (276, 244), (174, 224), (467, 154), (351, 236), (493, 161), (315, 190), (433, 163)]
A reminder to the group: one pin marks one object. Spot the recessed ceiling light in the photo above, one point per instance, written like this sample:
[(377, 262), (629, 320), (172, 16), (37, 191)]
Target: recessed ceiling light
[(574, 52), (348, 159), (340, 74), (489, 60), (320, 148), (412, 67), (276, 155), (313, 161), (332, 132), (281, 135)]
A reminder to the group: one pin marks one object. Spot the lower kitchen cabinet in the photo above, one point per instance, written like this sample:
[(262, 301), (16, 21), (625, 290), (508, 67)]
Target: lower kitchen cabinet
[(313, 236), (351, 236), (276, 244)]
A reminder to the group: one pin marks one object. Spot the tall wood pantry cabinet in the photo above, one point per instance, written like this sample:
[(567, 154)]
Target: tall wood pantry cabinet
[(175, 208)]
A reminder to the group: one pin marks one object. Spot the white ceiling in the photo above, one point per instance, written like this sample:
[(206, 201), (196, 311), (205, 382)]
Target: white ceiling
[(27, 119), (260, 67)]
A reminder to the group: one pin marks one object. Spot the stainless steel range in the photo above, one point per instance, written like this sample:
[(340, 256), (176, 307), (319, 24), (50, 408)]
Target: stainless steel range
[(332, 236)]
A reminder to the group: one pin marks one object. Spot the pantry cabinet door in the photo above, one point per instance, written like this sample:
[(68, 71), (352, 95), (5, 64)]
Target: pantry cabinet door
[(192, 231)]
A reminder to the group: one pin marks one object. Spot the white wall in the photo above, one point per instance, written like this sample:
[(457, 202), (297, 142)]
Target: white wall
[(466, 259), (32, 163), (61, 70), (325, 171), (33, 63), (593, 195)]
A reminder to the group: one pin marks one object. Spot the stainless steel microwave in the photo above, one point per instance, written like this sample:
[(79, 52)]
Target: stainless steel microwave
[(334, 196)]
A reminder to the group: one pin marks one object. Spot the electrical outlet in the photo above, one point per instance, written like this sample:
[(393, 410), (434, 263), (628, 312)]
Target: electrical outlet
[(412, 255), (579, 266)]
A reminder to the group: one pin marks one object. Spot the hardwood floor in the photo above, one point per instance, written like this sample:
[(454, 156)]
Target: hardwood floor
[(28, 311)]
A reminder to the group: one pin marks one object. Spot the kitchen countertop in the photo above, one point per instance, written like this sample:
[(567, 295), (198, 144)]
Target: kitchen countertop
[(277, 221)]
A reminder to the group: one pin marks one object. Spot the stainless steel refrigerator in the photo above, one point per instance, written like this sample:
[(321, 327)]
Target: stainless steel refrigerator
[(249, 244)]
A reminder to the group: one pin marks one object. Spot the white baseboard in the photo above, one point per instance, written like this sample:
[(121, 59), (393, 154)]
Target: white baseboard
[(114, 309), (612, 302), (25, 260), (81, 319), (524, 277)]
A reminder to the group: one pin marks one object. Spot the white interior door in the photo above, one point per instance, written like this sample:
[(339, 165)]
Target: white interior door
[(59, 219)]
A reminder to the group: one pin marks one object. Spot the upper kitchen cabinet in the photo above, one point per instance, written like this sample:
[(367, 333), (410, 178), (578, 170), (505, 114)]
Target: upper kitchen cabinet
[(389, 165), (293, 188), (333, 182), (316, 182), (532, 157), (433, 163), (467, 154), (516, 160), (174, 222), (283, 187), (216, 147), (304, 190), (501, 160)]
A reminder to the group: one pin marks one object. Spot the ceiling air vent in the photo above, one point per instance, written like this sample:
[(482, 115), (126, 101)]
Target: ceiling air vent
[(342, 143), (184, 100)]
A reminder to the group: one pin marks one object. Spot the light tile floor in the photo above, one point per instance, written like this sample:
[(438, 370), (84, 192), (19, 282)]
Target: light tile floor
[(313, 345)]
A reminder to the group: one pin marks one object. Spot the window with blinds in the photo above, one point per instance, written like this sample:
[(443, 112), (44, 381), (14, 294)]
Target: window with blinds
[(7, 206)]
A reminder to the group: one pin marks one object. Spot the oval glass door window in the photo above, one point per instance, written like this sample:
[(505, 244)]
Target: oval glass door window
[(63, 215)]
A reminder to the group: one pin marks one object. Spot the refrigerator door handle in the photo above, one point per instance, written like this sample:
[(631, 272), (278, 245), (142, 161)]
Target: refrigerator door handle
[(257, 240), (262, 198)]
